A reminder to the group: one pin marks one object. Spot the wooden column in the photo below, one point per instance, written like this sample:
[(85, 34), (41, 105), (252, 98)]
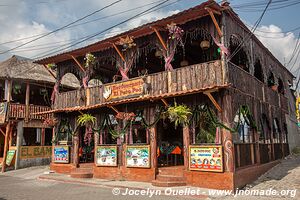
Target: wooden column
[(227, 142), (8, 87), (8, 130), (186, 144), (20, 131), (96, 142), (153, 145), (27, 97), (43, 137), (53, 144), (76, 150)]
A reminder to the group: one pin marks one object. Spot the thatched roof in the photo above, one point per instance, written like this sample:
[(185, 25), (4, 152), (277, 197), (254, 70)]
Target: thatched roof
[(20, 68)]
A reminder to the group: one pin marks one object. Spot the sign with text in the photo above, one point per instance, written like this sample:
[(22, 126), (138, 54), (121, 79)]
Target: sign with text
[(206, 158), (28, 152), (106, 156), (10, 157), (61, 154), (130, 88), (138, 156), (3, 110)]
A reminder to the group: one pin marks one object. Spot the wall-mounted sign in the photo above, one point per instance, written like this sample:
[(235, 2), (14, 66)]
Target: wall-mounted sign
[(206, 158), (138, 156), (61, 154), (3, 110), (106, 156), (130, 88), (10, 157), (35, 152)]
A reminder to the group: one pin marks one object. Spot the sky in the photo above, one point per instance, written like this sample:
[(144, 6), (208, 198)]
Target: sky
[(30, 19)]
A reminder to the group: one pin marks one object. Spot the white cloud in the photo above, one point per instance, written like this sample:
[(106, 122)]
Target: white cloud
[(279, 43)]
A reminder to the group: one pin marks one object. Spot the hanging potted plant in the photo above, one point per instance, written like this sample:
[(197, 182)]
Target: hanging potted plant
[(88, 121), (90, 60), (179, 114)]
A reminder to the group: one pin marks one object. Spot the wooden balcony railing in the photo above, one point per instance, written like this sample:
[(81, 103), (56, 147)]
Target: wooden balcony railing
[(18, 111), (196, 76)]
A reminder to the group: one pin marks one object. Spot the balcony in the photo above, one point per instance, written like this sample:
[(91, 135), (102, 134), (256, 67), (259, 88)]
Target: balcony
[(19, 111), (185, 80)]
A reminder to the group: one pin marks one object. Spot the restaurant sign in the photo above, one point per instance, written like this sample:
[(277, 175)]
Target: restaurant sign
[(3, 110), (138, 156), (206, 158), (106, 156), (35, 152), (61, 154), (10, 156), (132, 88)]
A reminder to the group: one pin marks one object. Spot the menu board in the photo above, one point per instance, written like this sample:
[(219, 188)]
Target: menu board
[(61, 154), (3, 109), (10, 157), (206, 158), (106, 156), (138, 156)]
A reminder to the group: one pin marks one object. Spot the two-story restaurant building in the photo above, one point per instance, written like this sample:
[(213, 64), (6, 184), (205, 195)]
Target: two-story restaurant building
[(191, 99), (25, 88)]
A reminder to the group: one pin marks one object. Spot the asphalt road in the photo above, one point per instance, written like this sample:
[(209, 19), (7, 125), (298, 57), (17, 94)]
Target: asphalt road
[(22, 188)]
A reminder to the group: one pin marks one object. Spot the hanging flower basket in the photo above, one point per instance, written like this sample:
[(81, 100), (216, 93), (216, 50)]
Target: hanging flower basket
[(86, 120), (90, 60), (179, 114)]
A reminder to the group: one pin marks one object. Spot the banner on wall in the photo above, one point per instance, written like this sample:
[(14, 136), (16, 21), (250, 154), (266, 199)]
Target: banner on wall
[(10, 156), (35, 152), (121, 90), (3, 111), (106, 156), (61, 154), (138, 156), (206, 158)]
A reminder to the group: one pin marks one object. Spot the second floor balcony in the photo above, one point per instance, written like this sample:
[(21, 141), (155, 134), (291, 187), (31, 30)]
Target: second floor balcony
[(180, 81)]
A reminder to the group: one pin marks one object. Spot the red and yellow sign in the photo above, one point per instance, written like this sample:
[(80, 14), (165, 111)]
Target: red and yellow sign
[(206, 158), (130, 88), (35, 152)]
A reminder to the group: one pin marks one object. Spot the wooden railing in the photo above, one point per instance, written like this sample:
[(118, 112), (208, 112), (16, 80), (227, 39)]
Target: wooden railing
[(18, 111), (247, 83), (186, 78)]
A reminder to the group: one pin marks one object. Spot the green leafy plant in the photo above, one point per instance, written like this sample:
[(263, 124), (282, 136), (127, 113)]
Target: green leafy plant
[(207, 129), (86, 120), (51, 66), (179, 114), (90, 60)]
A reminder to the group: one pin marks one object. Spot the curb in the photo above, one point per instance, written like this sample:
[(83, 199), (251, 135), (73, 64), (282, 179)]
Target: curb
[(121, 187)]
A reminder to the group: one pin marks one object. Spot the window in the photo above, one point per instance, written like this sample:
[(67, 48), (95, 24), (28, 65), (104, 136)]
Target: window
[(271, 79), (239, 55), (280, 86), (258, 72), (265, 135), (245, 125)]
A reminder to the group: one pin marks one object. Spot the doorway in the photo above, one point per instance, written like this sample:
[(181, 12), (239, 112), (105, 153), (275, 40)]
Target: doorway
[(170, 144), (86, 145)]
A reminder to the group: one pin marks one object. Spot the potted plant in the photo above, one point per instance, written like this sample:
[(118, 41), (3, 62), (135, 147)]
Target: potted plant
[(179, 114)]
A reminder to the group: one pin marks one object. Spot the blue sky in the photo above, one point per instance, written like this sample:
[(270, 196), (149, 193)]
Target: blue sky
[(24, 18)]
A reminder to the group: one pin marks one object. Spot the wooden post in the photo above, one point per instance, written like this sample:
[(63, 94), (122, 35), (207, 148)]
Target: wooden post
[(43, 137), (27, 97), (160, 39), (8, 129), (8, 87), (227, 142), (76, 150), (53, 144), (78, 63), (119, 52), (153, 146), (20, 131), (209, 10), (186, 144), (50, 72)]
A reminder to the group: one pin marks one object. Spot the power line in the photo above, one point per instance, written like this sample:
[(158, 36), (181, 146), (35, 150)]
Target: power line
[(252, 32), (90, 21), (56, 30), (106, 29), (295, 49)]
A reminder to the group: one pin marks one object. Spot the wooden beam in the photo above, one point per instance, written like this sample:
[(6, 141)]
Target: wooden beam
[(78, 63), (165, 102), (214, 21), (114, 109), (27, 98), (2, 132), (49, 71), (118, 51), (160, 38), (6, 146), (213, 101)]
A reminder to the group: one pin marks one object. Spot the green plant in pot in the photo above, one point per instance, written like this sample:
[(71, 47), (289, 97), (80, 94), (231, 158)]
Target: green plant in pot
[(179, 114), (86, 120)]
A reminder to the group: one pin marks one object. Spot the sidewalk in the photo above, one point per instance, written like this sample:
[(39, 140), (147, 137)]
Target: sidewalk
[(121, 185)]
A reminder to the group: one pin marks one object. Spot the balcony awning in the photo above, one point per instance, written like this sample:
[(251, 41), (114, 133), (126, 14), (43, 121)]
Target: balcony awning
[(137, 99)]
